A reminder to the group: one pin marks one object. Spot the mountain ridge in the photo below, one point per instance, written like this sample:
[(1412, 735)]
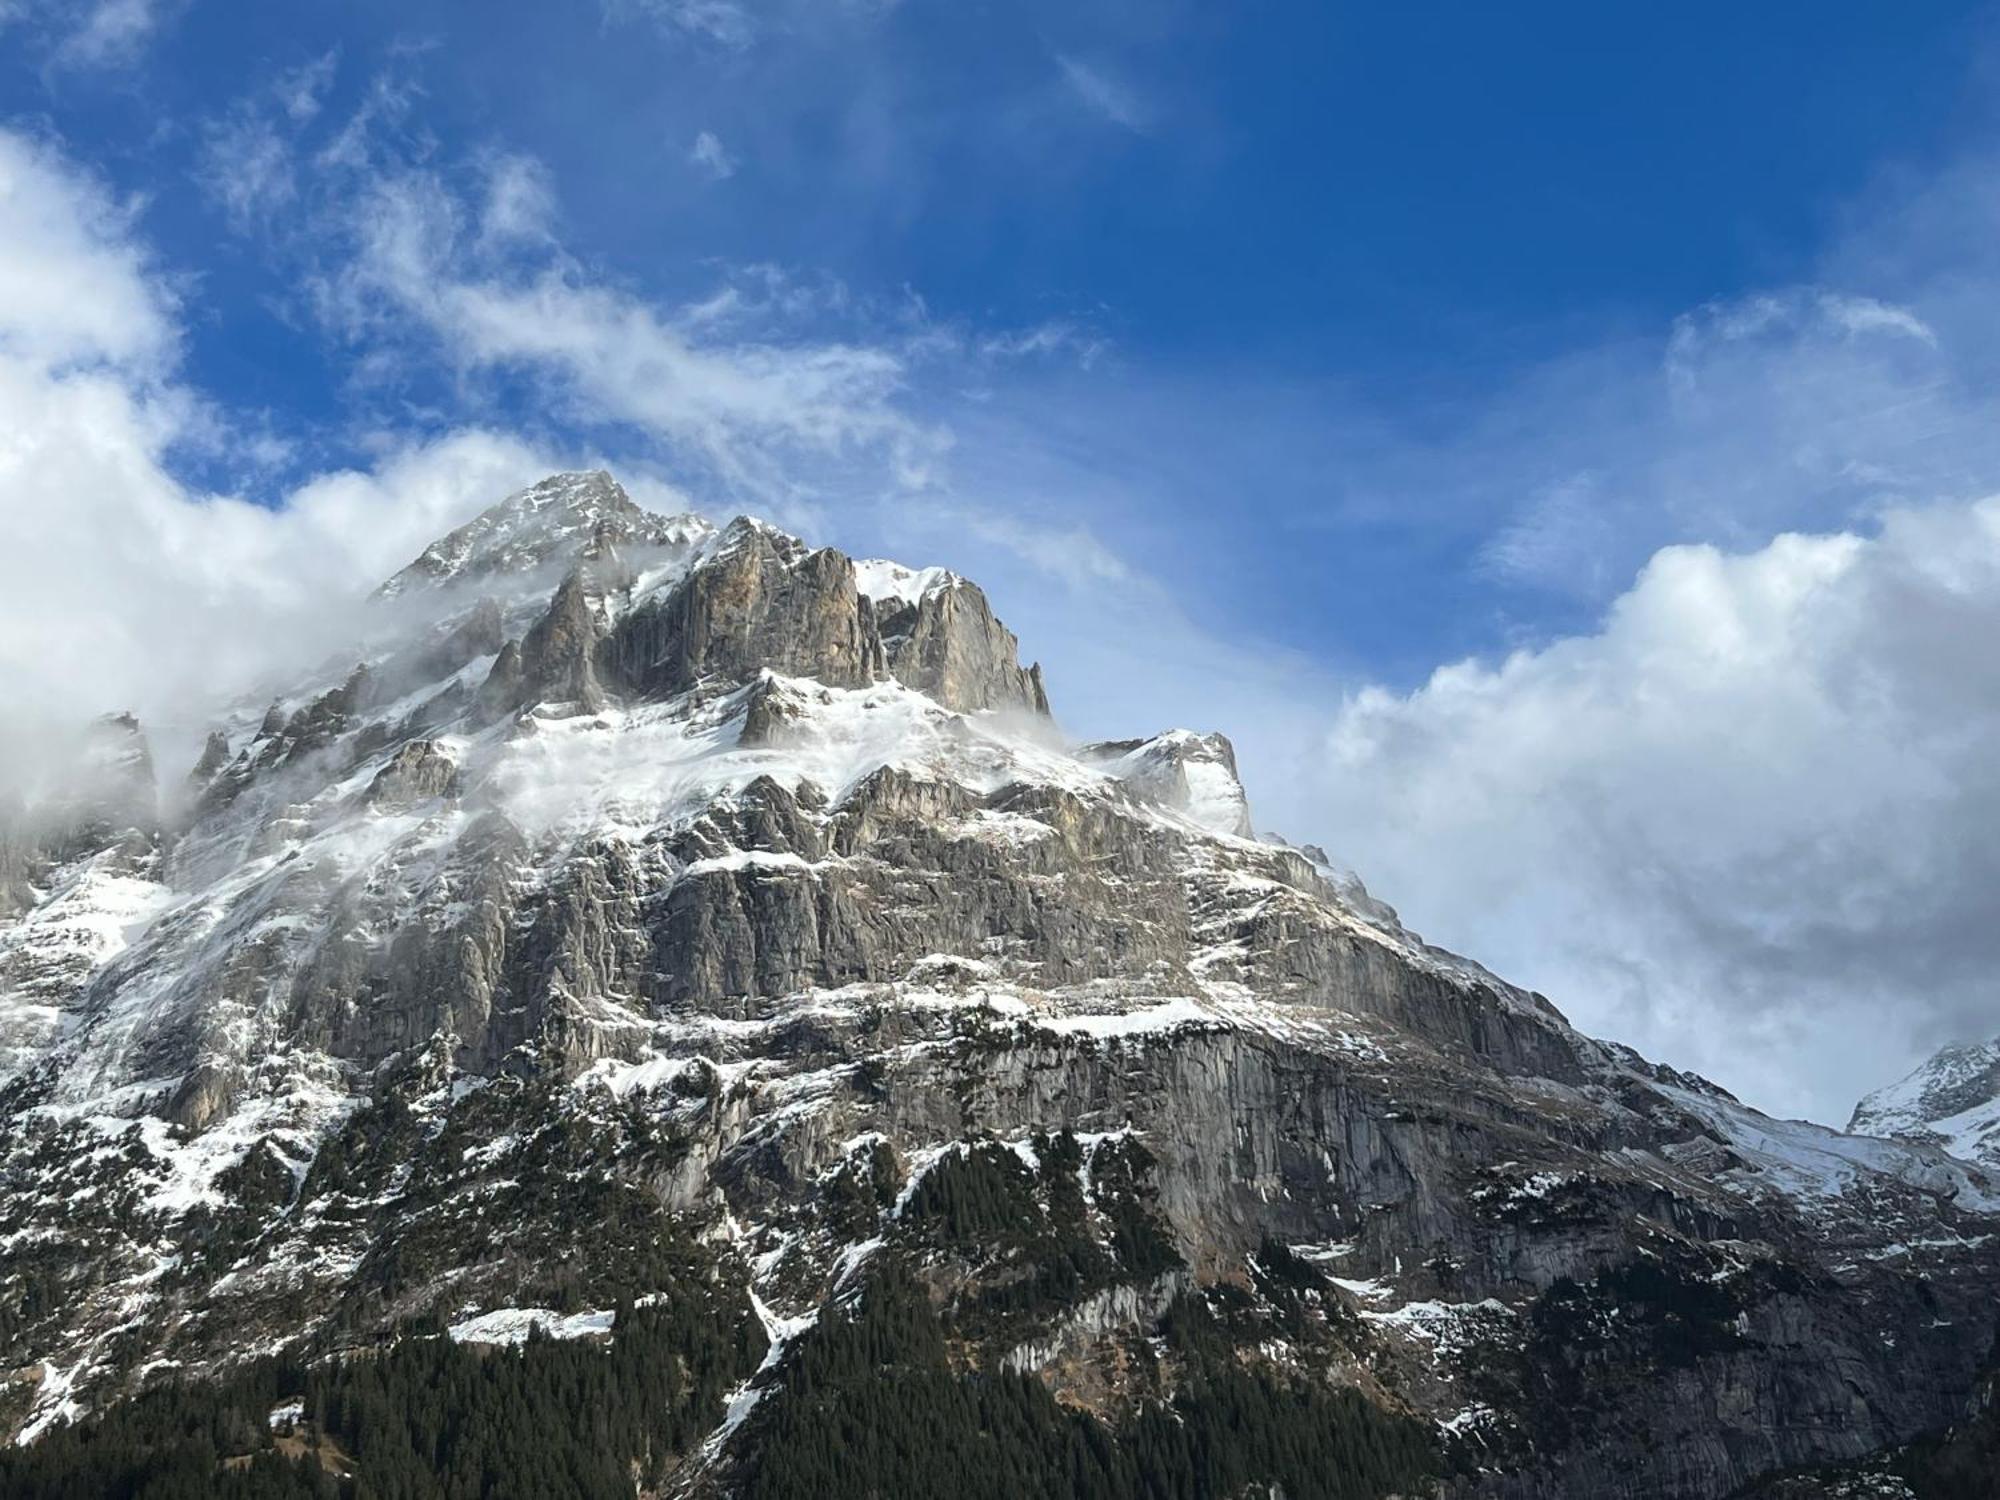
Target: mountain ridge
[(1951, 1100), (650, 906)]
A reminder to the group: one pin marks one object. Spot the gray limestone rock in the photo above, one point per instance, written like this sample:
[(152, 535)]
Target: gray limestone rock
[(731, 899), (949, 645), (758, 601), (558, 657)]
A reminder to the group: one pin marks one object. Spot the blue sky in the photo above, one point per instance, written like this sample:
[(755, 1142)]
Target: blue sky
[(1309, 242), (1424, 394)]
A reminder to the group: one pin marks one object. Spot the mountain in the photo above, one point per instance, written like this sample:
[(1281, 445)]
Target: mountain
[(1952, 1101), (673, 1011)]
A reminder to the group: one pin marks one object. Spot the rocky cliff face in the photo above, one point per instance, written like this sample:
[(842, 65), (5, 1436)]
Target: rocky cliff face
[(654, 888)]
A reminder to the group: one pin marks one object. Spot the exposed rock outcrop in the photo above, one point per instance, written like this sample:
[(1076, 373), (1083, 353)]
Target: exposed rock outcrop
[(720, 892)]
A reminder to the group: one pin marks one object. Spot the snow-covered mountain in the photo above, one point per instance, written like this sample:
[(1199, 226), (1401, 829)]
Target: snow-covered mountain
[(1951, 1101), (709, 949)]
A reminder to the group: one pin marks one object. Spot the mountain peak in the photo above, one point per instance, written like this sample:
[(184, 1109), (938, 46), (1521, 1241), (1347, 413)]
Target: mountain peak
[(1952, 1101), (691, 940), (547, 525), (1195, 774)]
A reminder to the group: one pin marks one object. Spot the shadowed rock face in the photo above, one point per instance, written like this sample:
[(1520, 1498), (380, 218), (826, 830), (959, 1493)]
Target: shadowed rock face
[(559, 655), (759, 600), (653, 884)]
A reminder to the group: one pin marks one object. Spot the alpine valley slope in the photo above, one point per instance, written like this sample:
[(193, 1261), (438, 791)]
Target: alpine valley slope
[(705, 949)]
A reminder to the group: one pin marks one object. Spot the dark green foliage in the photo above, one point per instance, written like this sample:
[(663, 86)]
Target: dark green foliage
[(1023, 1230), (867, 1405), (554, 1418), (1681, 1316), (1298, 1297), (1963, 1461), (1594, 1348), (1231, 1426), (1032, 1237), (1963, 1464), (362, 1157), (860, 1190), (425, 1420), (1119, 1171), (540, 1211), (169, 1444), (983, 1195)]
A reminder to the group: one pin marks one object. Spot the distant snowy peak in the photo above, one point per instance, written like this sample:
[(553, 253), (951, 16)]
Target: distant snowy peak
[(1194, 774), (563, 518), (1952, 1101)]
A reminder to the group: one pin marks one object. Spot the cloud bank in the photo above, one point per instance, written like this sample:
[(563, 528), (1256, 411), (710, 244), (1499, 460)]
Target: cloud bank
[(120, 587), (1744, 825)]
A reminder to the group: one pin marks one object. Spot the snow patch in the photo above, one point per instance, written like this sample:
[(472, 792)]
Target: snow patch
[(879, 578), (512, 1325)]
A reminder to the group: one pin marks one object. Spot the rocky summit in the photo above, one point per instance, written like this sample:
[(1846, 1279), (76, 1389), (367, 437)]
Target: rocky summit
[(1952, 1101), (671, 1013)]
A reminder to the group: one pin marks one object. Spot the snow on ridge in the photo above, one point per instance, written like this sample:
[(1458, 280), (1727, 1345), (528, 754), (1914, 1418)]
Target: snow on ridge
[(879, 578), (1952, 1100), (534, 526), (512, 1325), (1192, 774), (1448, 1329), (92, 912), (1972, 1134), (1168, 1015), (1808, 1161)]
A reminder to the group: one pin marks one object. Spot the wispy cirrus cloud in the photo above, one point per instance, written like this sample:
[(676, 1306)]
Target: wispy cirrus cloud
[(725, 23), (111, 33), (247, 163), (712, 157), (1101, 90), (763, 414), (86, 35)]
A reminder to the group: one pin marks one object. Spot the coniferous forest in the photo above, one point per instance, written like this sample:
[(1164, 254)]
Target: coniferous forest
[(865, 1405)]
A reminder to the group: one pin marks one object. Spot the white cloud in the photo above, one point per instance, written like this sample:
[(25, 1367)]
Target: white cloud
[(723, 22), (119, 586), (1070, 554), (1560, 540), (1743, 825), (74, 288), (1104, 93), (519, 203), (1862, 315), (248, 163), (108, 33), (247, 169), (776, 418), (1741, 815), (1056, 336), (122, 587), (712, 157), (301, 91)]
